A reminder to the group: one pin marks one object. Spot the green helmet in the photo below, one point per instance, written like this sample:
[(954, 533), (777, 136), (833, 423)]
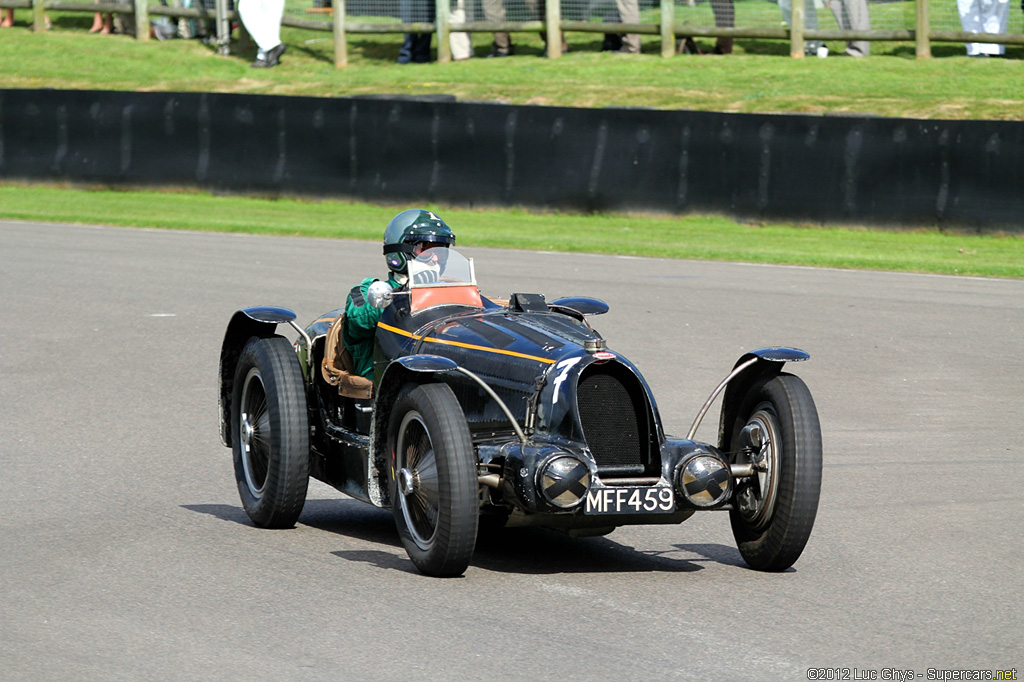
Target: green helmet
[(411, 227)]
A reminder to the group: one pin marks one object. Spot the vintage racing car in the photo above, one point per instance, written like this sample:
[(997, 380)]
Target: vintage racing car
[(482, 413)]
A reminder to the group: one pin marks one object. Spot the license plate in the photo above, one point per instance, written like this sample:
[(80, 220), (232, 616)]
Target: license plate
[(630, 500)]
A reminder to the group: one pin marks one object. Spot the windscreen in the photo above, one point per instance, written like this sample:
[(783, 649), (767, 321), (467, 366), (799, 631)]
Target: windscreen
[(440, 266)]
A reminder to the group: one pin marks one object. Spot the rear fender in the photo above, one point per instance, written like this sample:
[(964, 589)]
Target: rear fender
[(260, 322)]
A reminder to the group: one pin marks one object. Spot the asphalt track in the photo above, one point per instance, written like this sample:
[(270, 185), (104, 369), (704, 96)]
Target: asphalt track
[(125, 554)]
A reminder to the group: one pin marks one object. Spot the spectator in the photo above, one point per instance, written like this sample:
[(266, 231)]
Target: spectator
[(494, 10), (461, 42), (262, 19), (852, 15), (985, 16), (725, 17), (627, 12), (811, 47), (8, 19), (102, 23), (416, 46), (538, 8)]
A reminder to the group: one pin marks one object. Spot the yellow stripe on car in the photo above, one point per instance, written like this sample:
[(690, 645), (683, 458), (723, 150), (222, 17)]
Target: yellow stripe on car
[(434, 339)]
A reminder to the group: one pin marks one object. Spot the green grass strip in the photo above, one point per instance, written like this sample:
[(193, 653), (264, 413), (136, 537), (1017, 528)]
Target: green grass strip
[(691, 237)]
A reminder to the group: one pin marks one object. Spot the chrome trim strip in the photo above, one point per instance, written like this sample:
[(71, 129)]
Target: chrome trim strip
[(501, 404), (714, 394)]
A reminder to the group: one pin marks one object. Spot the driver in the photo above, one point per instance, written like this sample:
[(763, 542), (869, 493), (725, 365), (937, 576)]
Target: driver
[(407, 235)]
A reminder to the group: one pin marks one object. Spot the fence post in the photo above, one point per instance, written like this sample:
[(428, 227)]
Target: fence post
[(796, 29), (668, 32), (38, 16), (552, 20), (141, 20), (223, 27), (444, 15), (340, 39), (922, 27)]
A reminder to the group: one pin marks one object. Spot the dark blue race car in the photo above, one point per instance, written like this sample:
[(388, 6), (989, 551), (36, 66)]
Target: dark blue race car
[(483, 413)]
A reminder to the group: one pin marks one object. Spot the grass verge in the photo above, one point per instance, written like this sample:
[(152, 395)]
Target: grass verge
[(692, 237)]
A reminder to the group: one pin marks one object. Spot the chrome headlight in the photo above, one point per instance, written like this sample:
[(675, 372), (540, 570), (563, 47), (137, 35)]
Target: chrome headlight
[(564, 481), (705, 481)]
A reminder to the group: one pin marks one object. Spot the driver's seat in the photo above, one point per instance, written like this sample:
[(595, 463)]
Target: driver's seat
[(338, 369)]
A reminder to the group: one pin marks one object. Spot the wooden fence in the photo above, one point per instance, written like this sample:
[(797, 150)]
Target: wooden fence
[(921, 35)]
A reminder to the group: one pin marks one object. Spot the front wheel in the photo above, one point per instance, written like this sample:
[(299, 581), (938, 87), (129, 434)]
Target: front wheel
[(270, 433), (773, 511), (433, 482)]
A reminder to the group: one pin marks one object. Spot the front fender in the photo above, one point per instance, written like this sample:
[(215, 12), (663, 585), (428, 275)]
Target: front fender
[(399, 372), (765, 363), (260, 321)]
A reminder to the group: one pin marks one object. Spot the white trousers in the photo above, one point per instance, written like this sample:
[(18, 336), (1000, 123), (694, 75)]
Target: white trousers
[(984, 16), (262, 19), (462, 46)]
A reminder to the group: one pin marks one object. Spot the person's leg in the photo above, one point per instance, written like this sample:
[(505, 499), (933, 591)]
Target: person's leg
[(810, 21), (725, 17), (852, 15), (996, 19), (421, 47), (262, 19), (629, 11), (254, 17), (976, 17), (494, 10), (415, 46), (461, 45)]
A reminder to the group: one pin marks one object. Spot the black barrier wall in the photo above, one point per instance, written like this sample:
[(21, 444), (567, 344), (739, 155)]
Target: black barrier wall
[(895, 172)]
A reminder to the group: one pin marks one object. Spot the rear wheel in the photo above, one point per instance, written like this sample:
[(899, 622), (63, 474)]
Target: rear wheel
[(434, 482), (270, 433), (773, 510)]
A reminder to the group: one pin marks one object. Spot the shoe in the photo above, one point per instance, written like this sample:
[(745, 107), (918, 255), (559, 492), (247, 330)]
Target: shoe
[(274, 54), (500, 53), (687, 46), (815, 48), (723, 46), (263, 60), (612, 42)]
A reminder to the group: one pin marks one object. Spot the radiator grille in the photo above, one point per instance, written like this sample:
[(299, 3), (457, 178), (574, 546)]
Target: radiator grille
[(614, 420)]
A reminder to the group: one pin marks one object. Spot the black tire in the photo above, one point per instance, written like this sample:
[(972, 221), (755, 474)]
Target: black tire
[(773, 511), (270, 433), (434, 488)]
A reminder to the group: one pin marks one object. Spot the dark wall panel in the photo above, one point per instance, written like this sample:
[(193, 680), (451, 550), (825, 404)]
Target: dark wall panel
[(964, 174)]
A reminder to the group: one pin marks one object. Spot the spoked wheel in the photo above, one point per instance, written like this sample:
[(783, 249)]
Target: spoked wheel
[(434, 483), (778, 432), (270, 431)]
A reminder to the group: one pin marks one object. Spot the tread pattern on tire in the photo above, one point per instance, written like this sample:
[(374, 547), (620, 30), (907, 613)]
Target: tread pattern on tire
[(452, 548), (284, 493), (778, 546)]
